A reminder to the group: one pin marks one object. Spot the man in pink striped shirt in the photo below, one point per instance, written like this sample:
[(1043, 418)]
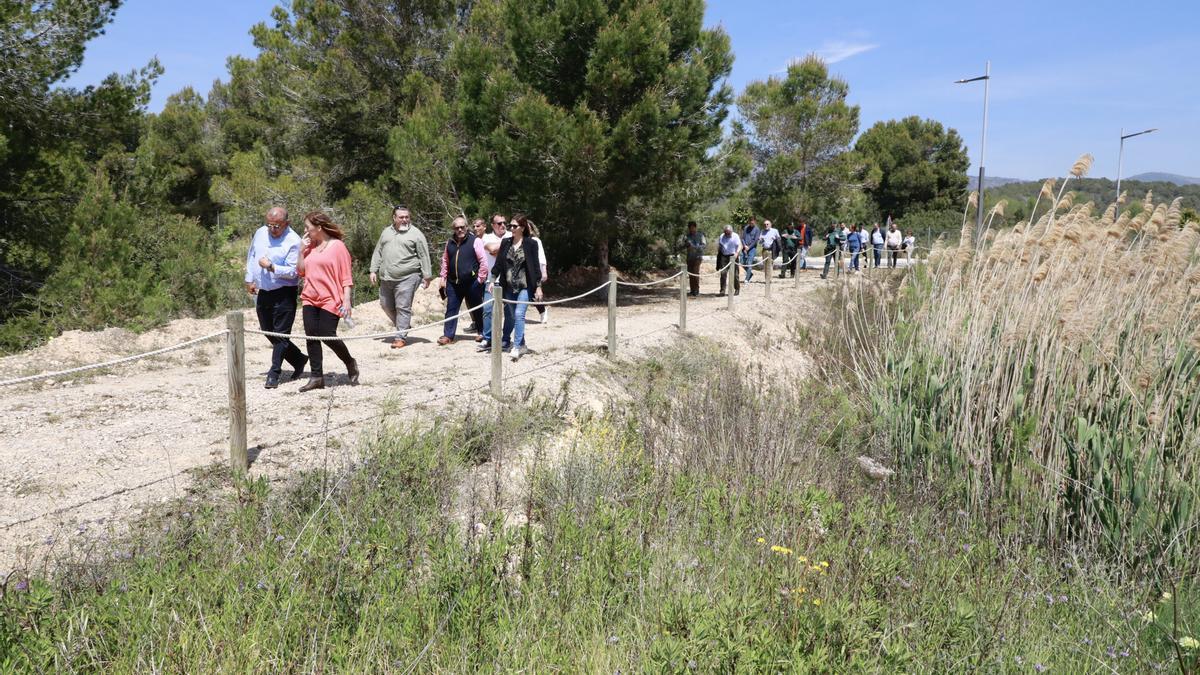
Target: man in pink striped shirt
[(464, 271)]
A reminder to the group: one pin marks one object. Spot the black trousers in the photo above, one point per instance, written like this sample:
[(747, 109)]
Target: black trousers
[(791, 265), (276, 313), (693, 268), (723, 260), (323, 323)]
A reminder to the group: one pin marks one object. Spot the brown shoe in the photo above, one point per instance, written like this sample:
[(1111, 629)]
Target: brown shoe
[(398, 343), (317, 382), (443, 341)]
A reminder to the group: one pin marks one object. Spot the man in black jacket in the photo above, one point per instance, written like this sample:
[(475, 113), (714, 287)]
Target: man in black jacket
[(464, 270)]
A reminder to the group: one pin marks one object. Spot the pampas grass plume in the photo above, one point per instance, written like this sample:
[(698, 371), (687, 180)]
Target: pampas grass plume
[(1082, 165)]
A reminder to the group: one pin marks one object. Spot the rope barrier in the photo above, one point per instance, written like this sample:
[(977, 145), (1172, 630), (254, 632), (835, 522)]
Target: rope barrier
[(372, 336), (712, 274), (556, 302), (109, 364), (648, 283)]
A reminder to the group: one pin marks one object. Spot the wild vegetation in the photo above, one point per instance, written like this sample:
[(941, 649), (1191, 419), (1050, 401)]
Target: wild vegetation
[(1051, 379), (659, 535)]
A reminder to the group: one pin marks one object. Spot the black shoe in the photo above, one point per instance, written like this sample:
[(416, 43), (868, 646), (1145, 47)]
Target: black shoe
[(352, 371), (721, 294), (316, 382), (272, 382), (300, 368), (485, 346)]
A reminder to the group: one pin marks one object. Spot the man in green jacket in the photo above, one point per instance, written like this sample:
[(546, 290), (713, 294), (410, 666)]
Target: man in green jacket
[(399, 263)]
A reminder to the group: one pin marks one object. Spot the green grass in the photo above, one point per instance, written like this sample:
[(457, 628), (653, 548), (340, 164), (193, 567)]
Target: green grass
[(662, 538)]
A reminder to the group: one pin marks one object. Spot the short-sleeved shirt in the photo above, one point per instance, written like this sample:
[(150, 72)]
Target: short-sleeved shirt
[(491, 238)]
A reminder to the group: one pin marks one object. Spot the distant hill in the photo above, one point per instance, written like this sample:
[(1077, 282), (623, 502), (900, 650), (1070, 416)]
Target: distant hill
[(990, 182), (1160, 177), (1100, 191)]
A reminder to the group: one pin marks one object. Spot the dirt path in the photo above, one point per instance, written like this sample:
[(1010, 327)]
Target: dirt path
[(87, 455)]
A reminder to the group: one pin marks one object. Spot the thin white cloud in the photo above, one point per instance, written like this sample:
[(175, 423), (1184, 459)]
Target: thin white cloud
[(832, 51)]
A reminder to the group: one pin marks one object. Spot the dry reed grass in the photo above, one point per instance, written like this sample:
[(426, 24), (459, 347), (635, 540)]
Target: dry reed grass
[(1054, 374)]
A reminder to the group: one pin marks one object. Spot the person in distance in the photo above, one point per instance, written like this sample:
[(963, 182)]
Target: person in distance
[(271, 277), (400, 262), (327, 295), (518, 272), (464, 269)]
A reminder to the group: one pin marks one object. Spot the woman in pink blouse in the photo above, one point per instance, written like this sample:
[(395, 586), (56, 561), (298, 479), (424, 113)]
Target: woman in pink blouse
[(325, 267)]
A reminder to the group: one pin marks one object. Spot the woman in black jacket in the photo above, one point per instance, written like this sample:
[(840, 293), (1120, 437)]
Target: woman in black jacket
[(519, 274)]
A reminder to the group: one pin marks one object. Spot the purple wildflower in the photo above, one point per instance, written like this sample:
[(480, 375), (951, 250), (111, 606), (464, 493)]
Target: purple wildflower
[(21, 585), (1039, 667)]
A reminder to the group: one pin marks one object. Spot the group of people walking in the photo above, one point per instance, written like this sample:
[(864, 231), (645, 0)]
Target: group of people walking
[(791, 245), (855, 240), (473, 258)]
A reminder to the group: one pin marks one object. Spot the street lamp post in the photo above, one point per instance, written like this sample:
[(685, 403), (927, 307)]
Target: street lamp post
[(1121, 157), (987, 79)]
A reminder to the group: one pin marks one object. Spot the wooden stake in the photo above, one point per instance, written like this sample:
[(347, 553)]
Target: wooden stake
[(235, 352)]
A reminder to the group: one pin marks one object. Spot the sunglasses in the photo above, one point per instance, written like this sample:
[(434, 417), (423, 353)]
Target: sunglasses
[(514, 225), (460, 227)]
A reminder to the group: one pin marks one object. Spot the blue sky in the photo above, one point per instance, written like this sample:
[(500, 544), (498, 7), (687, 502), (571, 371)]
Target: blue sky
[(1066, 76)]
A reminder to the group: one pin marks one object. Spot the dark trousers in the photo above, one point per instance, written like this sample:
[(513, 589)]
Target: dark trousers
[(893, 253), (456, 292), (323, 323), (693, 268), (722, 261), (791, 265), (276, 313), (830, 260)]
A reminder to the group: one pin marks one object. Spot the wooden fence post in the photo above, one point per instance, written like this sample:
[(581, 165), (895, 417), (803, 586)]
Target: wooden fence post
[(796, 265), (612, 314), (768, 265), (235, 352), (497, 322), (683, 291)]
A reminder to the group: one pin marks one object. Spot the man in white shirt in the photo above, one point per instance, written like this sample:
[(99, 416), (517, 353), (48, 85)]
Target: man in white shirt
[(728, 246), (491, 246), (894, 240), (770, 240)]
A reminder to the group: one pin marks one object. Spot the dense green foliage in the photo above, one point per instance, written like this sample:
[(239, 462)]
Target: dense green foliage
[(916, 165), (649, 545), (800, 127)]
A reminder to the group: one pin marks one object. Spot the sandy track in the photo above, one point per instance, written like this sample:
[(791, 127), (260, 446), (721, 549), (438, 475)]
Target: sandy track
[(85, 456)]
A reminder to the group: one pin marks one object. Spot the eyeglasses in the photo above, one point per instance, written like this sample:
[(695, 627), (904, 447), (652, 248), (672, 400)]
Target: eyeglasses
[(460, 227), (514, 225), (498, 222)]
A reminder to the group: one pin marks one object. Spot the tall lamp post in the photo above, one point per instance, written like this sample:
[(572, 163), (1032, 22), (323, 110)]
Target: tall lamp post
[(987, 78), (1121, 156)]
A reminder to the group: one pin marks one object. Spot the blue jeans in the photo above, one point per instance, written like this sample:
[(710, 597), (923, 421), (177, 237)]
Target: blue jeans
[(487, 312), (456, 293), (877, 249), (803, 257), (514, 317), (853, 259), (747, 258)]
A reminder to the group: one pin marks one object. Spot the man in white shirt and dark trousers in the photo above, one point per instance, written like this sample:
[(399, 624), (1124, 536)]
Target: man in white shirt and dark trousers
[(271, 277), (728, 246)]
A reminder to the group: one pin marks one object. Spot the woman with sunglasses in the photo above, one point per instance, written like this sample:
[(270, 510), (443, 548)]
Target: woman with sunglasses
[(325, 266), (519, 273)]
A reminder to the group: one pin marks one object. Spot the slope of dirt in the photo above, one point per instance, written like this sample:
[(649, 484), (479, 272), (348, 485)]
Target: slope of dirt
[(85, 456)]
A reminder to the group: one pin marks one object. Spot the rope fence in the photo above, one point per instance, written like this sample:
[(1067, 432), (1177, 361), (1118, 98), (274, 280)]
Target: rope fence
[(235, 333), (110, 364)]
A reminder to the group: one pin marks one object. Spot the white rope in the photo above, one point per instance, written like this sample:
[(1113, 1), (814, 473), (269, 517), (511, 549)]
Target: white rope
[(556, 302), (372, 336), (109, 364), (710, 274), (649, 283)]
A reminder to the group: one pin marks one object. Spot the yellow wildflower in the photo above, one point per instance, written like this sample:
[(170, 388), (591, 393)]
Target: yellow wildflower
[(817, 602), (1189, 642), (824, 563), (781, 550), (802, 559), (1149, 617), (761, 540)]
